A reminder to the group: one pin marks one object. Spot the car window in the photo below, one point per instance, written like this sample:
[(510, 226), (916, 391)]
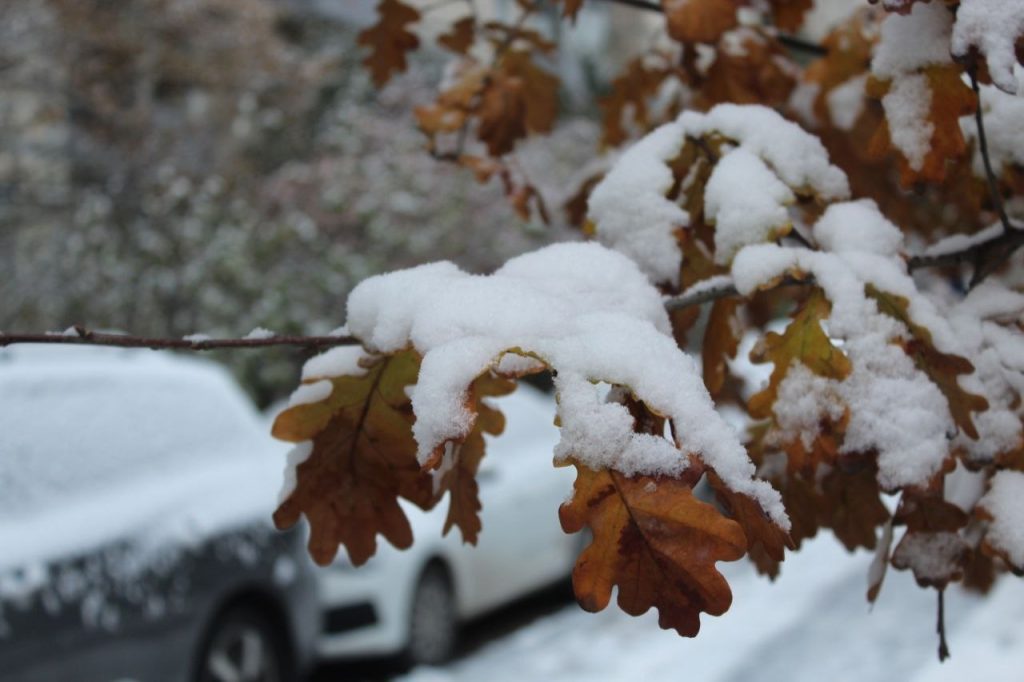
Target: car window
[(68, 432)]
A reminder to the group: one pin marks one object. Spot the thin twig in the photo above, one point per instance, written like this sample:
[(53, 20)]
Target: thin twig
[(940, 627), (979, 118), (86, 337)]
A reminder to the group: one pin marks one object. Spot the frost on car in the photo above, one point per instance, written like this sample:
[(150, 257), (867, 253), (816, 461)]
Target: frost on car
[(135, 493)]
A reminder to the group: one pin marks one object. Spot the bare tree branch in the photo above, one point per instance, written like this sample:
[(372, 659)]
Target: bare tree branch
[(85, 337), (979, 118)]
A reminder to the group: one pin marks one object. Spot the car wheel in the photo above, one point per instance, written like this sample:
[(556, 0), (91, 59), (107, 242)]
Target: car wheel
[(243, 646), (433, 624)]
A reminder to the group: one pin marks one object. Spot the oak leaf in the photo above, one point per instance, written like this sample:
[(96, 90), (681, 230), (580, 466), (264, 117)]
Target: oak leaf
[(942, 368), (628, 96), (699, 21), (459, 38), (362, 459), (951, 99), (761, 532), (853, 506), (803, 341), (789, 14), (656, 542), (460, 479), (721, 339), (389, 40)]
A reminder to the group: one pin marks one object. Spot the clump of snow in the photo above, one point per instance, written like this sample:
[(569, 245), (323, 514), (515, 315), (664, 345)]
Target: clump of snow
[(296, 456), (196, 338), (592, 316), (312, 392), (630, 210), (336, 362), (846, 102), (742, 215), (853, 226), (993, 27), (907, 105), (772, 160), (804, 400), (259, 333), (908, 44), (933, 557), (1005, 502), (796, 156)]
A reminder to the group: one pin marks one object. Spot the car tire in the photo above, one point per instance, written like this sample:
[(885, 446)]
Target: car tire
[(433, 622), (244, 645)]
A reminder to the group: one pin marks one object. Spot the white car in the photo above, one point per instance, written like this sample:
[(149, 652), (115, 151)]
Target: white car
[(135, 540), (411, 602)]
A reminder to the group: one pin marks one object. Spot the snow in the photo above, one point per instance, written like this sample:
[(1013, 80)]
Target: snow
[(592, 316), (994, 27), (773, 159), (907, 106), (630, 210), (196, 338), (311, 393), (149, 476), (740, 215), (259, 333), (895, 409), (336, 362), (1005, 502), (913, 41), (908, 44), (846, 102), (824, 631), (1004, 130), (797, 157)]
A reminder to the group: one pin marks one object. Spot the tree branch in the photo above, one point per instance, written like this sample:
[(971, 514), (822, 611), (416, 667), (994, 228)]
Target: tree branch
[(86, 337), (990, 176)]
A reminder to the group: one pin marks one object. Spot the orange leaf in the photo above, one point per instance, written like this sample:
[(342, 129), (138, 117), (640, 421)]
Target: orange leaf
[(789, 14), (655, 541), (460, 37), (363, 459), (699, 21), (803, 341), (389, 40), (721, 339), (942, 368)]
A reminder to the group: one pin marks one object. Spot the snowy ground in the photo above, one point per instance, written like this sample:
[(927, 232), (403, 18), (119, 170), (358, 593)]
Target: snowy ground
[(812, 624)]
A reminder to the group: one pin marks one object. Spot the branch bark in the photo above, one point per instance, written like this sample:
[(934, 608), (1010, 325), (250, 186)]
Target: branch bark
[(86, 337)]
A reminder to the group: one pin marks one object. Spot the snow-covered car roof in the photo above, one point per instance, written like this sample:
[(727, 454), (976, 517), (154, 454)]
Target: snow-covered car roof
[(103, 444)]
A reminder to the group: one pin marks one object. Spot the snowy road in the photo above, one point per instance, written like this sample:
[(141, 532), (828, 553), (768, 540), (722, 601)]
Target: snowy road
[(812, 624)]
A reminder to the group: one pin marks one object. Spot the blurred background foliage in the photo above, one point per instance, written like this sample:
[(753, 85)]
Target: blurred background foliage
[(172, 167)]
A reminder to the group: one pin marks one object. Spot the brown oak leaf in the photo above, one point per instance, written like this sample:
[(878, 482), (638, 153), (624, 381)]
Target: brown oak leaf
[(721, 339), (363, 458), (460, 36), (656, 542), (699, 21), (389, 40)]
